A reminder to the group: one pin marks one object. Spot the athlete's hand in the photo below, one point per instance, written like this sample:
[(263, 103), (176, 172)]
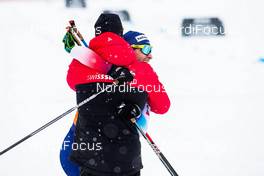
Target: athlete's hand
[(121, 74)]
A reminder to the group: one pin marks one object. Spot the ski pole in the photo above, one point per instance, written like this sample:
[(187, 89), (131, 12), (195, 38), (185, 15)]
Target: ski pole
[(155, 149), (76, 31), (76, 40), (56, 119)]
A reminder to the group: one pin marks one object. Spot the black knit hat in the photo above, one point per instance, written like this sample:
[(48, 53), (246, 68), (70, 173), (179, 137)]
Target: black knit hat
[(108, 22)]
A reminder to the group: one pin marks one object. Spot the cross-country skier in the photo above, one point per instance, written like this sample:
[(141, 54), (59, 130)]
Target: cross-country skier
[(105, 142)]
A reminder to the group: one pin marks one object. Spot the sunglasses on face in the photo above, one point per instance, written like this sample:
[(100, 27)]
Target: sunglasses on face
[(145, 49)]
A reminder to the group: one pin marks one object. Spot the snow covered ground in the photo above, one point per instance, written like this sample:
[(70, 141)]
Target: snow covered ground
[(215, 124)]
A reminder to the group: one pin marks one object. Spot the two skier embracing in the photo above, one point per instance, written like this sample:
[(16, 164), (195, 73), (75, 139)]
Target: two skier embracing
[(103, 140)]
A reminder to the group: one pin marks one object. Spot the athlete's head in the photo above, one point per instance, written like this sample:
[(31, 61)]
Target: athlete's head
[(108, 22), (141, 45)]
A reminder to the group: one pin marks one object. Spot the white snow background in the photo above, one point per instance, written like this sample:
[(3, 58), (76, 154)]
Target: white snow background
[(216, 122)]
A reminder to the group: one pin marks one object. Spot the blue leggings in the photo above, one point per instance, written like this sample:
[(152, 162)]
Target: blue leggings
[(70, 168)]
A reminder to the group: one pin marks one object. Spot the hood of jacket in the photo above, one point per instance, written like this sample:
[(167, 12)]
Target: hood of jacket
[(113, 48)]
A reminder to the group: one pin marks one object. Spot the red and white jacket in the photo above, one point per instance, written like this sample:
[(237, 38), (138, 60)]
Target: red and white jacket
[(114, 49)]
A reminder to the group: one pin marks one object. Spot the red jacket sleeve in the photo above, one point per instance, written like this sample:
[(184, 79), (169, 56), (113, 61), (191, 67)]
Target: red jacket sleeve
[(81, 74), (147, 80)]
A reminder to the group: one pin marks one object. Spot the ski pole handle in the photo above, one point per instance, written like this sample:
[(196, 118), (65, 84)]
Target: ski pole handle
[(75, 30), (76, 40)]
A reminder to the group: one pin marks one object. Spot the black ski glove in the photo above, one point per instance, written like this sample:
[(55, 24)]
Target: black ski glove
[(121, 74), (129, 111)]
